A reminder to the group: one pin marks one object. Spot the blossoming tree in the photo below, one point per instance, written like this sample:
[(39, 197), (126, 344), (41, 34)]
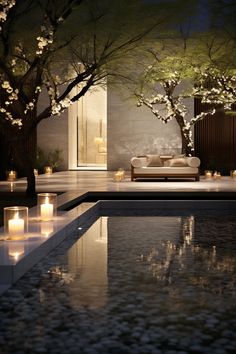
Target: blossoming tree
[(217, 86), (166, 86), (206, 64), (51, 47)]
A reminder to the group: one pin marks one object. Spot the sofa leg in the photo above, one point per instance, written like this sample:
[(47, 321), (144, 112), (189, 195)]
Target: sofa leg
[(197, 178)]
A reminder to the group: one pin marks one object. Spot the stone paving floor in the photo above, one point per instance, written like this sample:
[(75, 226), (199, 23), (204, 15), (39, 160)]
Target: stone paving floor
[(81, 181)]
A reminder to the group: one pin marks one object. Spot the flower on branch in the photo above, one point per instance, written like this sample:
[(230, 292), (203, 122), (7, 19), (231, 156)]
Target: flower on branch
[(45, 39)]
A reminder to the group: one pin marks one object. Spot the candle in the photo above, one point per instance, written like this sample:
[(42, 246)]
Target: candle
[(16, 226), (48, 170), (118, 177), (46, 210), (234, 174), (217, 175), (208, 174), (11, 176)]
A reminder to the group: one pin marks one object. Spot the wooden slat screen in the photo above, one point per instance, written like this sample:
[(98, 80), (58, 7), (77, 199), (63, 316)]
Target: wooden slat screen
[(215, 141)]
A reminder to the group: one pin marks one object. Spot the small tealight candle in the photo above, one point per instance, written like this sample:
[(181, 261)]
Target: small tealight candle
[(117, 177), (208, 174), (48, 170), (234, 174), (217, 175), (46, 210), (16, 226), (11, 176)]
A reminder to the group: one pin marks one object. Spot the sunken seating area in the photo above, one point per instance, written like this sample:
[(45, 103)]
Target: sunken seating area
[(164, 167)]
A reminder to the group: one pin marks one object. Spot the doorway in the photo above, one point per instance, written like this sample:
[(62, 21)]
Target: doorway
[(88, 131)]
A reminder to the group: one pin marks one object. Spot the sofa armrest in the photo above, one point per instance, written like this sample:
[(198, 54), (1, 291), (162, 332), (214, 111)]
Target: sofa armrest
[(193, 161), (139, 161)]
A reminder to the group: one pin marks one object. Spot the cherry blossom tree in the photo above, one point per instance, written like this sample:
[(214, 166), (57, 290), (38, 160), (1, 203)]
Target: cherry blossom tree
[(165, 88), (218, 87), (52, 47)]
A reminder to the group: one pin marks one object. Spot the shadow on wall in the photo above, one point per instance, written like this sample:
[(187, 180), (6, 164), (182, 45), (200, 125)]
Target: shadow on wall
[(125, 150)]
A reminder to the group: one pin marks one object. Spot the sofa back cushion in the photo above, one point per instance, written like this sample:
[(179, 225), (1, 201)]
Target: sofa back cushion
[(178, 162), (154, 161)]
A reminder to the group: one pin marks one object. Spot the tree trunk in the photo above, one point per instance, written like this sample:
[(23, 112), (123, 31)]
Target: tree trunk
[(24, 162), (187, 147)]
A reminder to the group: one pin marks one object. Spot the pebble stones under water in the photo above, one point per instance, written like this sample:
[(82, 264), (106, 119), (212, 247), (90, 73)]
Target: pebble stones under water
[(162, 291)]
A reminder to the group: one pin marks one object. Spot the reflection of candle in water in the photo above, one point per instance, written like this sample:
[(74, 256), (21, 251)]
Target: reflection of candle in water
[(16, 249), (16, 226), (46, 210)]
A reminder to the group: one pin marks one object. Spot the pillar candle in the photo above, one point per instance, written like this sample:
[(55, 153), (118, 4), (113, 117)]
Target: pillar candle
[(46, 210), (16, 226)]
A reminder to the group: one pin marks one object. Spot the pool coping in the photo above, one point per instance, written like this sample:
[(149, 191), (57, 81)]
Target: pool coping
[(67, 222)]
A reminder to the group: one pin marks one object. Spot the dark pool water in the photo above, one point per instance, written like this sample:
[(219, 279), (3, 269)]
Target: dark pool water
[(159, 284)]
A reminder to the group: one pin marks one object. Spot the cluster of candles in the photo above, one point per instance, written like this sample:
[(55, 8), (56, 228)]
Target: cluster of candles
[(210, 175), (12, 175), (217, 175), (119, 175), (16, 222)]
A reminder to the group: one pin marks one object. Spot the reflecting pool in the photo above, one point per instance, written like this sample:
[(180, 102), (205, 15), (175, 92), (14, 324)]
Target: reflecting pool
[(144, 284)]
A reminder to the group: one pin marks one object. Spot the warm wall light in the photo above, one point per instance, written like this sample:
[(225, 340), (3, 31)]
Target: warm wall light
[(48, 170), (47, 206), (16, 222), (11, 175)]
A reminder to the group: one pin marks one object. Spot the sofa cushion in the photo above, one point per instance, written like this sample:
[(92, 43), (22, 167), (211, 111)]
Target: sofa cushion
[(154, 161), (193, 161), (178, 162), (139, 161)]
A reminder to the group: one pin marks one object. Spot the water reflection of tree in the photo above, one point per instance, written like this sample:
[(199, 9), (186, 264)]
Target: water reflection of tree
[(205, 267)]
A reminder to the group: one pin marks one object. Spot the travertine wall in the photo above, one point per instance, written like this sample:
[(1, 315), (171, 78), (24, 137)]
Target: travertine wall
[(131, 131), (136, 131)]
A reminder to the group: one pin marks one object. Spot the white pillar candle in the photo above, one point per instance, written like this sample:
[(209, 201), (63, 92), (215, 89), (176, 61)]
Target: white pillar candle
[(46, 210), (16, 226)]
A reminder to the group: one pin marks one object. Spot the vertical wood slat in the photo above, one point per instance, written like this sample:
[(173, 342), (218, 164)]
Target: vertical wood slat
[(215, 140)]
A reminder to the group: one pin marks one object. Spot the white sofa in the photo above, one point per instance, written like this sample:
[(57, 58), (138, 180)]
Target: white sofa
[(166, 167)]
